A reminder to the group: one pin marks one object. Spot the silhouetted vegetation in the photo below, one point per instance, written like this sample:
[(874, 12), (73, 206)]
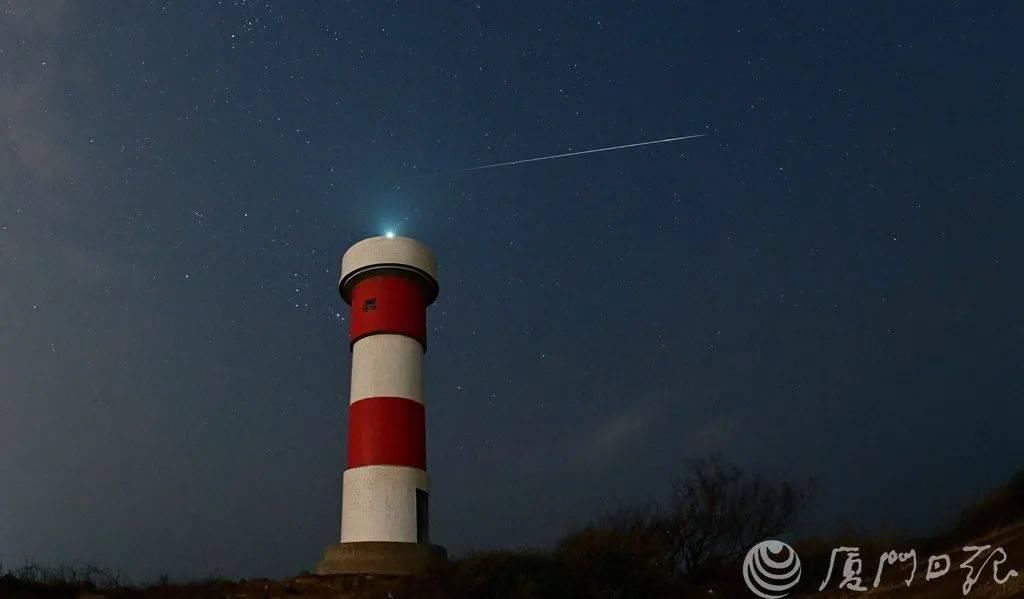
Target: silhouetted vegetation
[(717, 512), (31, 579), (687, 545), (1000, 507), (625, 554), (713, 515)]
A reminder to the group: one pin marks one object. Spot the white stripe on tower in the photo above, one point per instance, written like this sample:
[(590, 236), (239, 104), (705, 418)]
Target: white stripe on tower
[(378, 505), (387, 366)]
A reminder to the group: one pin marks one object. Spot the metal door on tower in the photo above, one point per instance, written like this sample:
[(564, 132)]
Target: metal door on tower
[(422, 528)]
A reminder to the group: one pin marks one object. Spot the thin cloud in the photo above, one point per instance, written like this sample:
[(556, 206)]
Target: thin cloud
[(605, 443)]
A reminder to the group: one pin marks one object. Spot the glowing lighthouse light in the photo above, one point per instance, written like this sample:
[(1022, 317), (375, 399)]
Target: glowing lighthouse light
[(389, 281)]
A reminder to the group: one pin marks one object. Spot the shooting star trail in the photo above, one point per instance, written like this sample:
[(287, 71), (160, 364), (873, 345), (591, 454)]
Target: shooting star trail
[(580, 153)]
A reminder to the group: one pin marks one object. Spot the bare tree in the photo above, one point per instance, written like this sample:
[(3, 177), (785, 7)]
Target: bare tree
[(716, 513)]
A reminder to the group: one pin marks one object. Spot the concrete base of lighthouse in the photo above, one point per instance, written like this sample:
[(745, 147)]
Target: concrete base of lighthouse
[(379, 557)]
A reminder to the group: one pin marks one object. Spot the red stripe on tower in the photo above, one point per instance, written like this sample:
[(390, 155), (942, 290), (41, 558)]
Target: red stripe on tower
[(389, 303), (387, 430)]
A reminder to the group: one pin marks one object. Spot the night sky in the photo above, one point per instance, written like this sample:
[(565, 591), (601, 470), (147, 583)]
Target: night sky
[(828, 285)]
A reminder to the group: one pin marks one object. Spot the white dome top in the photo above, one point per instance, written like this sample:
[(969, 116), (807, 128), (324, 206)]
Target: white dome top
[(377, 253)]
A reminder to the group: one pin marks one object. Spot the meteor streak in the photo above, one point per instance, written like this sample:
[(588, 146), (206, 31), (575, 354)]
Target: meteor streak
[(567, 154)]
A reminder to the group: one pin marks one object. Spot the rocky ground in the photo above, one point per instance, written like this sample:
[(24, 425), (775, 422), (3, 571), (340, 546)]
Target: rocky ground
[(337, 587)]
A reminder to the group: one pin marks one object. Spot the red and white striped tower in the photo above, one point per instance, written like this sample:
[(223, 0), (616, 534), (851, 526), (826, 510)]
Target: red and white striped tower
[(389, 282)]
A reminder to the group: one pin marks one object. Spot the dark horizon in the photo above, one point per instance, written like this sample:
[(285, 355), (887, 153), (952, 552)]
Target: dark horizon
[(827, 285)]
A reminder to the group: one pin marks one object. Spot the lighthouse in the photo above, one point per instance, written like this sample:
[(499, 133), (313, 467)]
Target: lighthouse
[(389, 281)]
